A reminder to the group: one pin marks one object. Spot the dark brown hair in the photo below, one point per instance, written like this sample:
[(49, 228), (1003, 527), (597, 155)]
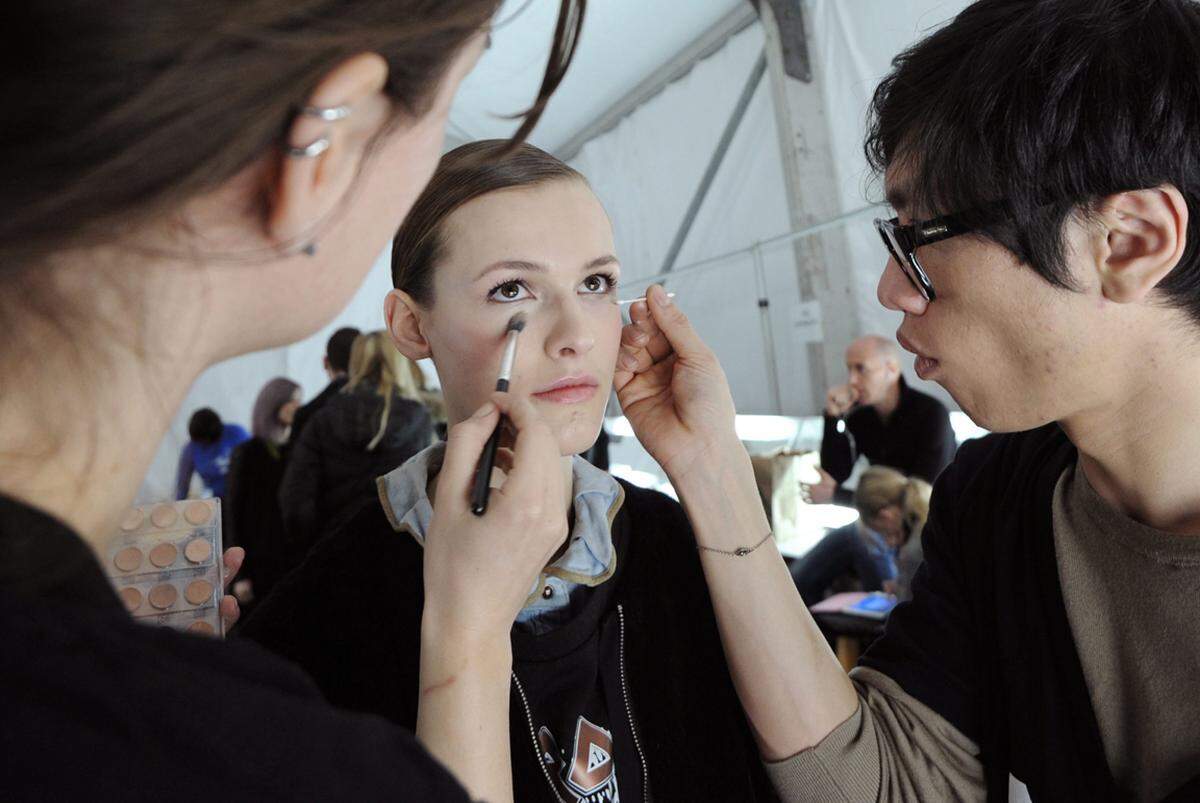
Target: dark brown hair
[(124, 110), (463, 174)]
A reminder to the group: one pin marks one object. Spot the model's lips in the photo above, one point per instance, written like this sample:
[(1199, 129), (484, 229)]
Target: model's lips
[(569, 390), (924, 365)]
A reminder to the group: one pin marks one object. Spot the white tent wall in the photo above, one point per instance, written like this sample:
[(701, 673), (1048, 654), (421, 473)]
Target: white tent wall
[(647, 168)]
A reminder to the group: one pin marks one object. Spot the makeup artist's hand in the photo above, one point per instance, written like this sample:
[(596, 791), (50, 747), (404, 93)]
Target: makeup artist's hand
[(228, 608), (479, 569), (672, 388)]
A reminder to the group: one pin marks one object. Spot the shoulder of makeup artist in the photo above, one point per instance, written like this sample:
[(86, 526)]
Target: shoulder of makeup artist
[(80, 674), (618, 634)]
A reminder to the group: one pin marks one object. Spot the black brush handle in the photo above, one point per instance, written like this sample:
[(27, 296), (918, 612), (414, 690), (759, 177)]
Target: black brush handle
[(487, 460)]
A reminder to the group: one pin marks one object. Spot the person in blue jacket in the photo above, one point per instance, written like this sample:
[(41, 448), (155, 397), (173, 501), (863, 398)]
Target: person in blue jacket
[(208, 452)]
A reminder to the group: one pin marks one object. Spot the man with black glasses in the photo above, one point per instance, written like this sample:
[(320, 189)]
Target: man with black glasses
[(1044, 163)]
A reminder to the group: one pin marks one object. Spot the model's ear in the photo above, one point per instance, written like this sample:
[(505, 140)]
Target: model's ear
[(404, 318), (1145, 233)]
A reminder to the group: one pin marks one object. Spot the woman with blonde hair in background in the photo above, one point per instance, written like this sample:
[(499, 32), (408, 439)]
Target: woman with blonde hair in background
[(891, 507), (374, 424)]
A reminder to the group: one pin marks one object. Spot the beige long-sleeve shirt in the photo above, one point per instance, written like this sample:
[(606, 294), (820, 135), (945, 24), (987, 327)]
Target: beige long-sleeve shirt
[(1132, 596)]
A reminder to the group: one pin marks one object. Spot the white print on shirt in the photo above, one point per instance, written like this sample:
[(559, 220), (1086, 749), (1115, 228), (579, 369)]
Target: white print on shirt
[(588, 775)]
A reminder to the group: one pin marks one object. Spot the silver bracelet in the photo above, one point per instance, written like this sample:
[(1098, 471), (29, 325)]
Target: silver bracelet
[(740, 552)]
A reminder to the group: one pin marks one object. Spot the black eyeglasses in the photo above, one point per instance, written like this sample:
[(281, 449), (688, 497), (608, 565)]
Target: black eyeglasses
[(902, 243)]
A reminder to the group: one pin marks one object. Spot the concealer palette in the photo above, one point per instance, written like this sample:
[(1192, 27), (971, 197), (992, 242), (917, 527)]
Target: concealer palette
[(165, 563)]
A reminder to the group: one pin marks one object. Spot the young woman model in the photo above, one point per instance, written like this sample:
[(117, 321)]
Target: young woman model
[(619, 686), (189, 182)]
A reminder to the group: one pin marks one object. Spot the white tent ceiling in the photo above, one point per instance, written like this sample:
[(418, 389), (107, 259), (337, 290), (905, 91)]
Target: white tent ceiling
[(623, 42)]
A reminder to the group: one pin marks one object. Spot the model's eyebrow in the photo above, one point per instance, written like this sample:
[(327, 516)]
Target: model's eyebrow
[(600, 262), (513, 264)]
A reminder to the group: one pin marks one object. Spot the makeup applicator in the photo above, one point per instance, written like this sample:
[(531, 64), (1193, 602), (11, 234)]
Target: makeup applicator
[(483, 487)]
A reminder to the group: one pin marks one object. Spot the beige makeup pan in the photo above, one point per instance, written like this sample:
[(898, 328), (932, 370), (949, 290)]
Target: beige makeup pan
[(198, 550), (203, 628), (197, 513), (163, 555), (163, 516), (132, 599), (133, 519), (163, 596), (128, 559), (198, 592)]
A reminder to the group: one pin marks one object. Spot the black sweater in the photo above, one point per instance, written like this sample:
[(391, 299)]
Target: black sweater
[(251, 513), (96, 707), (916, 440), (986, 641), (351, 615), (331, 474)]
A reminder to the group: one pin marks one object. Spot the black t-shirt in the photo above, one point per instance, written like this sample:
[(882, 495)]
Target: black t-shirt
[(917, 439), (96, 707), (570, 695)]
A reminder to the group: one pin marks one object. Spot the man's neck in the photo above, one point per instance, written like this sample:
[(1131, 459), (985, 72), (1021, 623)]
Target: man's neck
[(890, 402), (1141, 452)]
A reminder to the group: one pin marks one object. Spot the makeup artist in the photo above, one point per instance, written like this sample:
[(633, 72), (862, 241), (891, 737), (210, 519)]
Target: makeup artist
[(877, 414), (187, 182), (620, 686), (1045, 255)]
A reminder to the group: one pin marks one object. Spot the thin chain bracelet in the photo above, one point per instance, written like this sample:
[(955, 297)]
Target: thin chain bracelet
[(740, 552)]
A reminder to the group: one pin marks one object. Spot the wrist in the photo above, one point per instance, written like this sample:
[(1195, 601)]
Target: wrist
[(715, 456), (449, 639)]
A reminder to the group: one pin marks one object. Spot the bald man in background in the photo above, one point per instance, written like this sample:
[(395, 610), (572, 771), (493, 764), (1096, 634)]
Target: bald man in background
[(878, 415)]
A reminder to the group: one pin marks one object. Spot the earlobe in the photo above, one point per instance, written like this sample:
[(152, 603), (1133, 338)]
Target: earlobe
[(403, 317), (1145, 235)]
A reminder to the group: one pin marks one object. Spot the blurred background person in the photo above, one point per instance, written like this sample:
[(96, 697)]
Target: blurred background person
[(863, 555), (337, 368), (207, 453), (878, 415), (372, 426), (252, 518)]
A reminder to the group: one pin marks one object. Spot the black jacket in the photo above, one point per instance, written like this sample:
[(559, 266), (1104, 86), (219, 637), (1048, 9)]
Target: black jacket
[(351, 615), (986, 641), (330, 473), (305, 413), (251, 512), (96, 707), (916, 440)]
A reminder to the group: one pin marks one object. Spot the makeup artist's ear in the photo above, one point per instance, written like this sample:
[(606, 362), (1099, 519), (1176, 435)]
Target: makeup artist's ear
[(403, 317), (1145, 232), (305, 188)]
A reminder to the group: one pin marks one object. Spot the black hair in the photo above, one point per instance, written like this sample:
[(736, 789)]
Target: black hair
[(337, 350), (205, 426), (1021, 113)]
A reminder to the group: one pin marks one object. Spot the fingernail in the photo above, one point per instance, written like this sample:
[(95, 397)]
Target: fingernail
[(484, 411), (628, 361)]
